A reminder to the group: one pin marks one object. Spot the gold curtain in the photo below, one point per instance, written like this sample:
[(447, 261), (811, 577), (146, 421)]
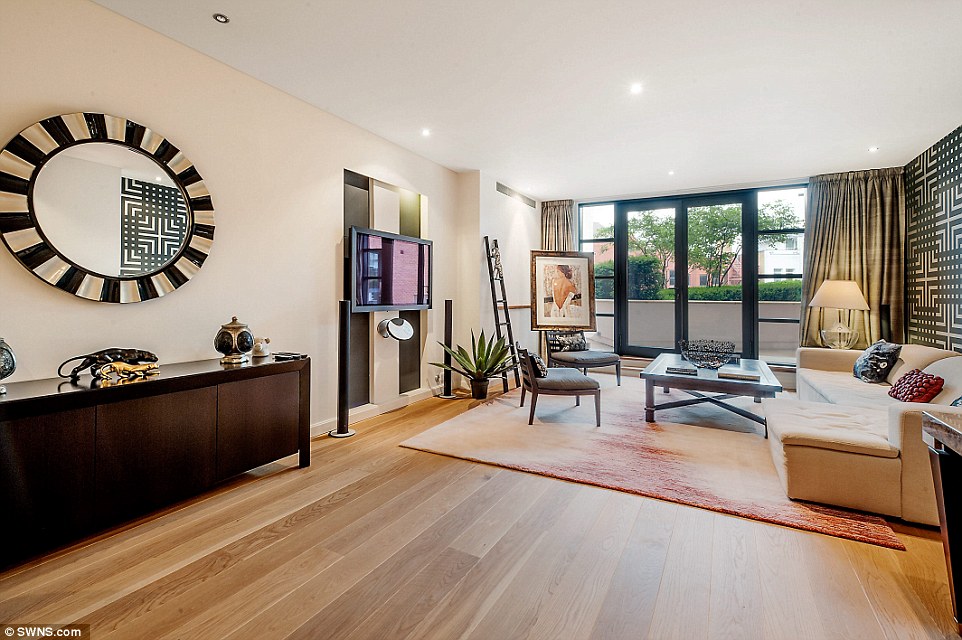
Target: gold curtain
[(855, 230), (558, 225)]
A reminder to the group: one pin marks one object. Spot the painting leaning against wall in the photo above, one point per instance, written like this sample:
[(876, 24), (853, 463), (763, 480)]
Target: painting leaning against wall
[(562, 290)]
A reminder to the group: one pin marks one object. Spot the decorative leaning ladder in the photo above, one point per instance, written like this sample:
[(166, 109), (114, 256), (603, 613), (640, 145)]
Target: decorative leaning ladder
[(496, 274)]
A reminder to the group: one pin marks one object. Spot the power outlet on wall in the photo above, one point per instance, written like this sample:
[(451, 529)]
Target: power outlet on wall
[(437, 378)]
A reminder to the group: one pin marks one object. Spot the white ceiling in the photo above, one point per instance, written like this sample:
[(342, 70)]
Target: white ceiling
[(536, 92)]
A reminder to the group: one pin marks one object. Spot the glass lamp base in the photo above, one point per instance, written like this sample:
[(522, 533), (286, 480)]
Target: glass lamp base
[(839, 337)]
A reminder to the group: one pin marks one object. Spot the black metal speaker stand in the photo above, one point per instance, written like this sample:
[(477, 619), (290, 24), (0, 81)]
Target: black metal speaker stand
[(448, 392), (343, 370)]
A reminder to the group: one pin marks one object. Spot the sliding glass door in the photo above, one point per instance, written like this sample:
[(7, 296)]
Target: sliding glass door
[(671, 269)]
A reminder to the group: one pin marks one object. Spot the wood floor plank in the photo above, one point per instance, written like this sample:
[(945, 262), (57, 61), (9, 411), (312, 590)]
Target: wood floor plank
[(900, 613), (517, 610), (790, 605), (286, 615), (401, 613), (844, 610), (169, 602), (735, 611), (577, 597), (494, 524), (460, 612), (374, 540), (137, 570), (630, 602), (344, 614), (686, 583)]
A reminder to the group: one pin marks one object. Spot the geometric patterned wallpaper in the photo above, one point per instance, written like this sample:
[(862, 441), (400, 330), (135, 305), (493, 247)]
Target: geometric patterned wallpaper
[(933, 270), (153, 226)]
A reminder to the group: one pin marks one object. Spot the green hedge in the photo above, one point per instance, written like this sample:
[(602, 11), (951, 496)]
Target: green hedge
[(782, 291), (644, 278)]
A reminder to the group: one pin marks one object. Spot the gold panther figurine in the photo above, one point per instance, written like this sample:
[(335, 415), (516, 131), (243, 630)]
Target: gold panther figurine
[(126, 371)]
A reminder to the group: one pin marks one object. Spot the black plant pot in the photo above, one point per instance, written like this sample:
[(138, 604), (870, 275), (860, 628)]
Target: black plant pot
[(479, 389)]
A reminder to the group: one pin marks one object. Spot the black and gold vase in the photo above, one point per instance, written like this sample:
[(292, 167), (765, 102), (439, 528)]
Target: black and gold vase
[(235, 341), (8, 363)]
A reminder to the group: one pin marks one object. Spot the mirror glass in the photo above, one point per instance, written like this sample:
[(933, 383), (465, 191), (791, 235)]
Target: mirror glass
[(111, 210)]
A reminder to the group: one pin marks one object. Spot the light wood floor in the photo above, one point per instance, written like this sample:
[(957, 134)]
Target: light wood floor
[(376, 541)]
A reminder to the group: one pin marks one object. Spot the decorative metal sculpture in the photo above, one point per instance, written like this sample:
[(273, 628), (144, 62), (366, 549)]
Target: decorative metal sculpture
[(98, 359), (126, 371), (707, 354), (8, 363), (496, 254)]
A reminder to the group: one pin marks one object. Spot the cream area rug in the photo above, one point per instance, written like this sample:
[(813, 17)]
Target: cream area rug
[(701, 456)]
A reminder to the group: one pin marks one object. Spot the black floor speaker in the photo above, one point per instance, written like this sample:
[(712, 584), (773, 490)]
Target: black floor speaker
[(343, 369), (447, 392)]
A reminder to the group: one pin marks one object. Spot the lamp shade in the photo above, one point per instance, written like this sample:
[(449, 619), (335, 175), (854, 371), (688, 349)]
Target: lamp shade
[(839, 294)]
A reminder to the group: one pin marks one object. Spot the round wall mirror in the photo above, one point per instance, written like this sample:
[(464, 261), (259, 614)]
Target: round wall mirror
[(103, 208)]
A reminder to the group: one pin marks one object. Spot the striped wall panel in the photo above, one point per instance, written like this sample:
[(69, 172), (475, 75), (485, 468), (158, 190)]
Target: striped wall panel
[(21, 161)]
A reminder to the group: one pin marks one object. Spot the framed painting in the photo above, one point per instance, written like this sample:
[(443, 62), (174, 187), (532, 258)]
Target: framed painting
[(562, 290)]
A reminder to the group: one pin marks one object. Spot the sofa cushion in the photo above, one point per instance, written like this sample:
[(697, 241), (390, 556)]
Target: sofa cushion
[(877, 361), (566, 341), (840, 387), (916, 386), (564, 379), (819, 425), (586, 358), (916, 356), (950, 370), (538, 366)]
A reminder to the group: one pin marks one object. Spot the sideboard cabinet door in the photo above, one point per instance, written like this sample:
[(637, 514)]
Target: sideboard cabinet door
[(257, 422), (154, 451), (46, 481)]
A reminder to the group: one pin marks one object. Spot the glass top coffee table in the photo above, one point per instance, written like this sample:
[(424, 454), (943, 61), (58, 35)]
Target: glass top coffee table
[(751, 378)]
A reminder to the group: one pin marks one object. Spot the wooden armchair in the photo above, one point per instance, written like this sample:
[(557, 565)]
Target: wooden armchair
[(560, 356), (560, 381)]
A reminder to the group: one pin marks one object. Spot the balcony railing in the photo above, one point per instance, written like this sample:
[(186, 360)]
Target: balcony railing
[(651, 323)]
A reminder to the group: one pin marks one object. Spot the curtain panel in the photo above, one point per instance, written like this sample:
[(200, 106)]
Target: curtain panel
[(855, 230), (558, 225)]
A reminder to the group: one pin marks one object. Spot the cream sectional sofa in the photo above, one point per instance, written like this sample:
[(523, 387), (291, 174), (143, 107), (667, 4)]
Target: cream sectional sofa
[(847, 443)]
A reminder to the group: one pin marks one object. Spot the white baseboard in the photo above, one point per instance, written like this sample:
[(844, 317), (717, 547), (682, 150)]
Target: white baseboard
[(371, 410)]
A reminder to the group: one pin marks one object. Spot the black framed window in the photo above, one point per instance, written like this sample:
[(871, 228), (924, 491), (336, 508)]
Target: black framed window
[(702, 280), (597, 235)]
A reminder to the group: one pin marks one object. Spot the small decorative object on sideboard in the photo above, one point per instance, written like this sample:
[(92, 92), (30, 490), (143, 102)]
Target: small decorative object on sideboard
[(98, 359), (8, 363), (707, 354), (234, 341), (281, 356), (126, 371), (261, 350)]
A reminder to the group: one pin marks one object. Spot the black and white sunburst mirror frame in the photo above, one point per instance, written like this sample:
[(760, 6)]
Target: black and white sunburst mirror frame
[(20, 163)]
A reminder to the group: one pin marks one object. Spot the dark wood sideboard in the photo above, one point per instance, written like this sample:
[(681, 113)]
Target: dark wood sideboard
[(76, 459), (943, 433)]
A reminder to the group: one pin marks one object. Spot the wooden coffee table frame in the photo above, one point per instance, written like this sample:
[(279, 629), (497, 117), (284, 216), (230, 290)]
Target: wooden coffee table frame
[(707, 381)]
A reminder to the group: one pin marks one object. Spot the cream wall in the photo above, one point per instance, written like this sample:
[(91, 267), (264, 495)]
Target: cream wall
[(274, 166), (517, 228)]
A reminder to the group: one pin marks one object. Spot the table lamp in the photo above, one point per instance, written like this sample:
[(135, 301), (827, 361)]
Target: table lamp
[(840, 294)]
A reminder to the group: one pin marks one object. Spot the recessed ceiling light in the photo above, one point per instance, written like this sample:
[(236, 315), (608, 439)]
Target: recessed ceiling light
[(872, 149), (159, 179), (671, 173), (636, 88), (425, 132), (221, 18)]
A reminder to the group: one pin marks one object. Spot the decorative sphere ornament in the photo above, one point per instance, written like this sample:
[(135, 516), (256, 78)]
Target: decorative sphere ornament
[(8, 363), (235, 341)]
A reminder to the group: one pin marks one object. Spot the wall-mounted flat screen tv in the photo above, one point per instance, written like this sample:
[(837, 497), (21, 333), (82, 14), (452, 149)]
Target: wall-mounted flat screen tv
[(389, 272)]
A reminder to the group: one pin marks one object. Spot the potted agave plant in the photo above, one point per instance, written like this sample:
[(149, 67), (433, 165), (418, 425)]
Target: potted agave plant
[(486, 360)]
